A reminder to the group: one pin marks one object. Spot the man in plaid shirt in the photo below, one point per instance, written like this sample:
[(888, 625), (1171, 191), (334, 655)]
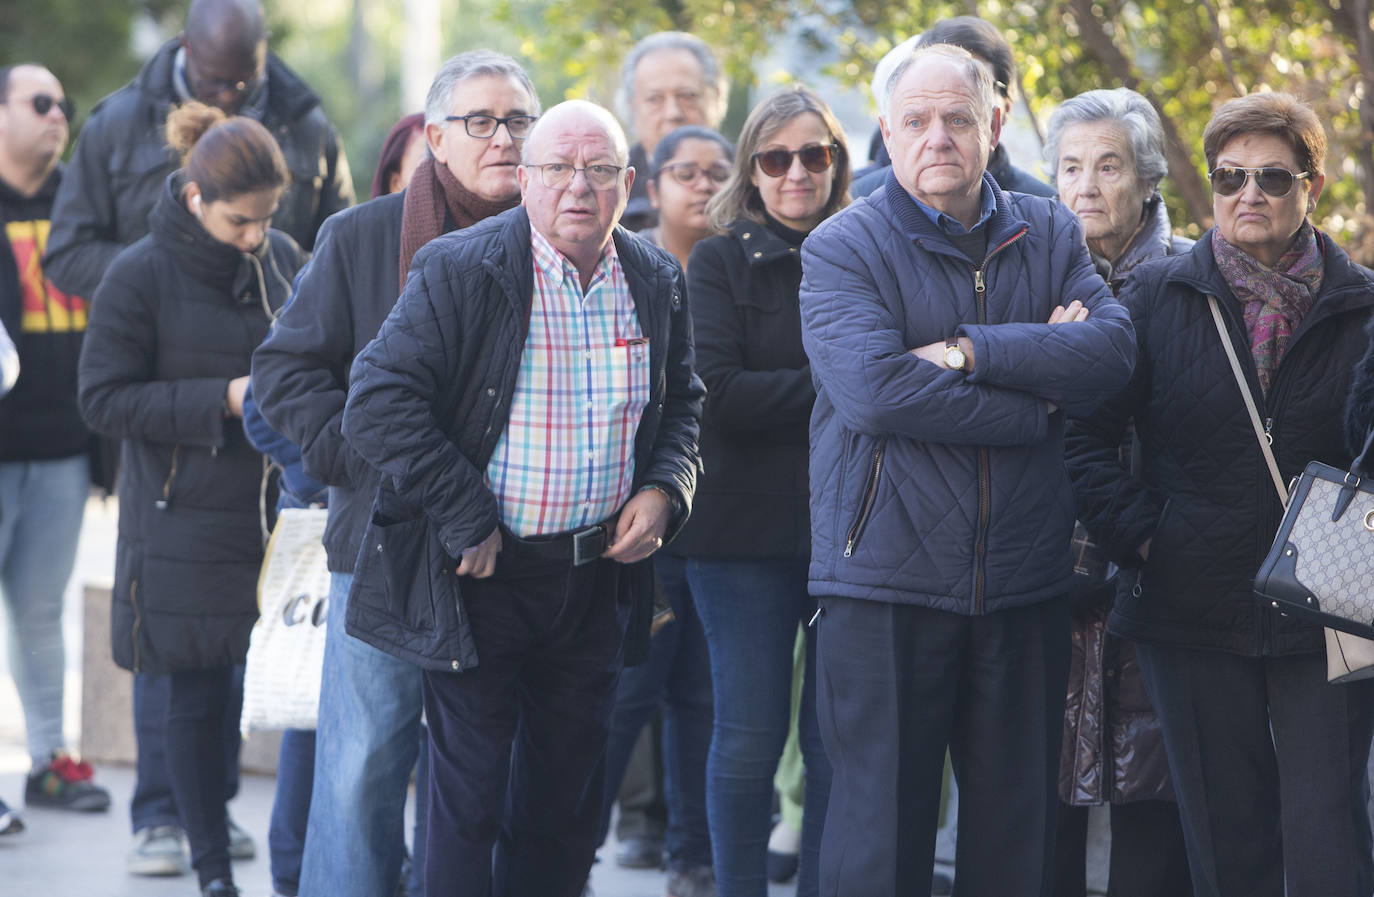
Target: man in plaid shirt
[(532, 406)]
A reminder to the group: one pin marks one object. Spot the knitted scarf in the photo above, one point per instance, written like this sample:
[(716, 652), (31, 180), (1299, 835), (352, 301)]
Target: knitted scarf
[(1275, 299), (432, 192)]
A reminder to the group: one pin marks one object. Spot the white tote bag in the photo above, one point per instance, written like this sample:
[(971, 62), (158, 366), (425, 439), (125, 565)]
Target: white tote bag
[(281, 686)]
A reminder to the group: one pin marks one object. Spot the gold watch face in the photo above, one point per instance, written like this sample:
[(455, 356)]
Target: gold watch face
[(954, 358)]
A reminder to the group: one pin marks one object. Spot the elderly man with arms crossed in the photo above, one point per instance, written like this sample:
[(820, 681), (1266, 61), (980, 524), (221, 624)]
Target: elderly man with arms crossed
[(941, 512), (532, 406)]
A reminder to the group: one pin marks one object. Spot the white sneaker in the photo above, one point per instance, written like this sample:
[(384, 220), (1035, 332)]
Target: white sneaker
[(158, 850)]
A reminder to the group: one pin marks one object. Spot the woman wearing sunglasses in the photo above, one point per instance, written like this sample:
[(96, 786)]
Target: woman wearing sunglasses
[(164, 367), (1267, 759), (748, 542)]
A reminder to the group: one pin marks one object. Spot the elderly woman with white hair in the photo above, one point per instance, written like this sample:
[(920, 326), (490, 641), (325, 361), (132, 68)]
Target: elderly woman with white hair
[(1105, 150)]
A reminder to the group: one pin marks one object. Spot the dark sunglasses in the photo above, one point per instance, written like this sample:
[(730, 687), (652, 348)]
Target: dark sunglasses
[(815, 158), (687, 172), (43, 103), (1277, 182)]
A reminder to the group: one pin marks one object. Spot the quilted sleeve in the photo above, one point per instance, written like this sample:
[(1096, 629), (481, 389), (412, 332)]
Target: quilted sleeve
[(398, 382), (875, 385), (1075, 366), (1119, 510)]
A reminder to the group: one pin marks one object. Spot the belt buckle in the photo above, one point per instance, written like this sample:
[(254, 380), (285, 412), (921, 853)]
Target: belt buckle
[(588, 544)]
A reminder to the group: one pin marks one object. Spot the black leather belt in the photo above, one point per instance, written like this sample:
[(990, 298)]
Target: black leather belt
[(578, 546)]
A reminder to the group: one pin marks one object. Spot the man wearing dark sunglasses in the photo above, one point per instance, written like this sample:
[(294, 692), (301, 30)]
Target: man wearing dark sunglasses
[(117, 172), (121, 160), (43, 441), (951, 327)]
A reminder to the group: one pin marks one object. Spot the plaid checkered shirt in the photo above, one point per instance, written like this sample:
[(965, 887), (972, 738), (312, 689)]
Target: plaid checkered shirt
[(566, 459)]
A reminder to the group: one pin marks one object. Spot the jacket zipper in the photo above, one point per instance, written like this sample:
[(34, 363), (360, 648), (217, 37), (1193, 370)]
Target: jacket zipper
[(980, 543), (138, 624), (165, 501), (866, 506)]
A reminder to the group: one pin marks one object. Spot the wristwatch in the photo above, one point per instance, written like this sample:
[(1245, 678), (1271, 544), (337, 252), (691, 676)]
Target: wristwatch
[(955, 359)]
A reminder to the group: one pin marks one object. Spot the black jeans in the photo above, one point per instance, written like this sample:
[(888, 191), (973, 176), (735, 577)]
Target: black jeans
[(197, 764), (1268, 762), (517, 744), (898, 685), (1147, 855)]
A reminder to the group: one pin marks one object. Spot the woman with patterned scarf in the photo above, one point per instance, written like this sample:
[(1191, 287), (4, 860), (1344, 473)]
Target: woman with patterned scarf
[(1267, 759)]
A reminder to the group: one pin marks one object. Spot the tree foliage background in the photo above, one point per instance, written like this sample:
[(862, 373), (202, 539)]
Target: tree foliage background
[(1186, 56)]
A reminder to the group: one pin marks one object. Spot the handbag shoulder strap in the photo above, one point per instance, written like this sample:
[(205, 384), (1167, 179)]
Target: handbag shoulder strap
[(1263, 437)]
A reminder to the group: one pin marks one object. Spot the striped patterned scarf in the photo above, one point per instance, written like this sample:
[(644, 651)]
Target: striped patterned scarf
[(1275, 299)]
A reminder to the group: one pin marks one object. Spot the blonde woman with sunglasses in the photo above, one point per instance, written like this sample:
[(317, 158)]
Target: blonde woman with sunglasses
[(748, 542)]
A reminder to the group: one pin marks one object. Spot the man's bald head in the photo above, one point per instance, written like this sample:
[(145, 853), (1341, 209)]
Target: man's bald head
[(575, 112), (226, 50)]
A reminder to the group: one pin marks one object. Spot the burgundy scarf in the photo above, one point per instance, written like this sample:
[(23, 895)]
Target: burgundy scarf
[(1275, 299), (432, 192)]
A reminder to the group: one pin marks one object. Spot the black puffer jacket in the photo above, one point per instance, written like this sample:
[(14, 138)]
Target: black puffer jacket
[(455, 341), (753, 496), (177, 318), (122, 158), (300, 373), (1205, 499)]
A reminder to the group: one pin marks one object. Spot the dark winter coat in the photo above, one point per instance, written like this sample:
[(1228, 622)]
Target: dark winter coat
[(752, 498), (932, 486), (300, 373), (1205, 499), (122, 158), (176, 318), (430, 398), (39, 420), (1113, 747)]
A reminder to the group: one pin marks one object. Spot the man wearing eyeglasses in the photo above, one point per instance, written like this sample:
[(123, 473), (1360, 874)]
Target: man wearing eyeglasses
[(951, 326), (532, 405), (480, 108), (121, 158), (43, 441), (668, 79)]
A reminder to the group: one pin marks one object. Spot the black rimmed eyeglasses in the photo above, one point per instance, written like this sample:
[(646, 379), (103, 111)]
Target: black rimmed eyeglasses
[(483, 127), (1229, 180)]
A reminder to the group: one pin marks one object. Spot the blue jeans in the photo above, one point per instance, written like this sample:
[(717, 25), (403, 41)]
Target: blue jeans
[(678, 673), (153, 803), (291, 809), (750, 611), (366, 745), (41, 505)]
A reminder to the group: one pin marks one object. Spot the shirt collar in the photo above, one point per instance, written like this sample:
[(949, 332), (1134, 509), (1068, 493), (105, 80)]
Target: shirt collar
[(948, 225), (558, 268)]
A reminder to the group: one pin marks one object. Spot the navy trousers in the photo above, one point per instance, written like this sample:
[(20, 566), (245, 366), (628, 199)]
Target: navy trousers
[(897, 686), (517, 744)]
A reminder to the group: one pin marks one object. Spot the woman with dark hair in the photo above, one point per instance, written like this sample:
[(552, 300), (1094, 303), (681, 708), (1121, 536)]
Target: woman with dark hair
[(402, 151), (689, 165), (1267, 759), (748, 542), (164, 367)]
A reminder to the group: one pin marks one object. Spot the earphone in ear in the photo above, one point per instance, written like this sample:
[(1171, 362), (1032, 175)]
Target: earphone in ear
[(195, 203)]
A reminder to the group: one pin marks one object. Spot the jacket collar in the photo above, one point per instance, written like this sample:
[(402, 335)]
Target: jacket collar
[(1346, 285), (45, 195), (761, 243), (1153, 239), (1004, 224), (288, 97)]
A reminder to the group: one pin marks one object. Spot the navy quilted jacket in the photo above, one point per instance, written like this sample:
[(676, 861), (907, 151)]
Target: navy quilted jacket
[(1205, 498), (931, 486), (460, 327)]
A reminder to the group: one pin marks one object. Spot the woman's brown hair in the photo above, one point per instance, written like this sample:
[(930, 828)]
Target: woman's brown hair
[(226, 156), (739, 198), (1281, 115)]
